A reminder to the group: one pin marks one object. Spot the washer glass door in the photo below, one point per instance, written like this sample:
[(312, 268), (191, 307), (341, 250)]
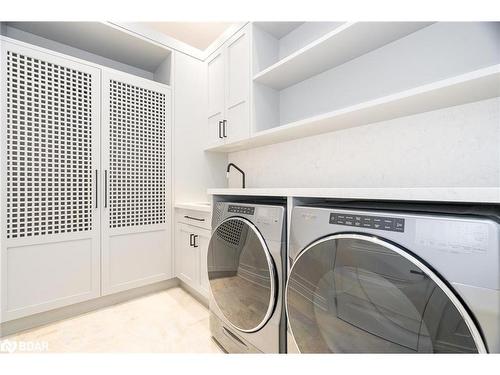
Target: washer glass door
[(241, 274), (352, 293)]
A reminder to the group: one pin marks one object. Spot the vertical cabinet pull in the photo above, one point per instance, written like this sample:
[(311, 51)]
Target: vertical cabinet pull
[(105, 189), (224, 123), (96, 188), (220, 132), (192, 240)]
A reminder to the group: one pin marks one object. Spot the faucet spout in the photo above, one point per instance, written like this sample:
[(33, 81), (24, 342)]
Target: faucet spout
[(239, 170)]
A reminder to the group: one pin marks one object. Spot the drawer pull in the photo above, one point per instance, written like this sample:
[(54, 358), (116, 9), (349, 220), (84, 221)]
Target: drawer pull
[(193, 218)]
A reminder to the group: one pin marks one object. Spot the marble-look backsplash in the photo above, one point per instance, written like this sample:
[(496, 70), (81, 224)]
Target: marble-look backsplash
[(452, 147)]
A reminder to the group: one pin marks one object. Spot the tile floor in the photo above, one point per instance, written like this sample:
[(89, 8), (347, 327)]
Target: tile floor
[(170, 321)]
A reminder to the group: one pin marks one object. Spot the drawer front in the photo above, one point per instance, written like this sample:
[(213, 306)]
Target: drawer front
[(199, 219)]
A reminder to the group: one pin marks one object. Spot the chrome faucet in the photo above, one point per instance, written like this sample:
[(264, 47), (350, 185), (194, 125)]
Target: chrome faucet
[(235, 166)]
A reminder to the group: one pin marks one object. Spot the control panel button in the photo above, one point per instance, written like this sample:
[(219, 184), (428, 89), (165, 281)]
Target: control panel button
[(367, 222), (399, 225), (388, 223)]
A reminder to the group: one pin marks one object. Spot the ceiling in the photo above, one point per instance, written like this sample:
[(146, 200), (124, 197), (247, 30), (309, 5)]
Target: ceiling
[(197, 34)]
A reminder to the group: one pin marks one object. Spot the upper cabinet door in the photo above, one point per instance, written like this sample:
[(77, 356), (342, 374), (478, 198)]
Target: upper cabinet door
[(229, 78), (216, 84), (238, 87), (216, 94)]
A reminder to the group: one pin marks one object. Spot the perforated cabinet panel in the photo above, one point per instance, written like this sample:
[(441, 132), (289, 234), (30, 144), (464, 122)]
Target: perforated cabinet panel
[(137, 152), (49, 148)]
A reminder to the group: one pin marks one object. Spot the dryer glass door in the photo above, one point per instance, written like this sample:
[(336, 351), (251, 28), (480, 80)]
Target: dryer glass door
[(351, 293), (241, 274)]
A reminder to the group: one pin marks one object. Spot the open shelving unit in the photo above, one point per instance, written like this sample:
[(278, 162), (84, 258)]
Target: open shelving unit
[(343, 43), (102, 43), (470, 87)]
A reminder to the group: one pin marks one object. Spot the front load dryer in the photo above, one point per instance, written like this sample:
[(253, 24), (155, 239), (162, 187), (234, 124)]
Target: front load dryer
[(246, 261), (393, 279)]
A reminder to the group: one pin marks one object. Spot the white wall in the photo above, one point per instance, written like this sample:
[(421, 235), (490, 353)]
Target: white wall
[(453, 147), (194, 169)]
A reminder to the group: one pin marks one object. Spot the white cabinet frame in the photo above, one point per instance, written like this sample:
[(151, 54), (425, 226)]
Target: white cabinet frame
[(228, 91), (32, 282), (141, 254), (66, 268)]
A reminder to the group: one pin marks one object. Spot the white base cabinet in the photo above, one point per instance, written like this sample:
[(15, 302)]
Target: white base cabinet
[(192, 236)]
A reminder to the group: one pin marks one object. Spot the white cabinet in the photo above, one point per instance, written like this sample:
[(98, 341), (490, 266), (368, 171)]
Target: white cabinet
[(136, 182), (192, 238), (49, 213), (237, 125), (188, 255), (216, 83), (85, 181), (228, 71)]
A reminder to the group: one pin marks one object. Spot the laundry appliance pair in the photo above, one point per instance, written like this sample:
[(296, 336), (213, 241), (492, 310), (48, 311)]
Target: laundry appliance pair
[(359, 277)]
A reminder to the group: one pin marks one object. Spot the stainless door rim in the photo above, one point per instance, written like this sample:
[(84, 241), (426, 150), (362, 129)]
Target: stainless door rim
[(272, 272), (476, 335)]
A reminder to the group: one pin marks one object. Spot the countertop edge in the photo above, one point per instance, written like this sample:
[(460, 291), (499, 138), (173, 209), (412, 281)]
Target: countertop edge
[(441, 194), (193, 206)]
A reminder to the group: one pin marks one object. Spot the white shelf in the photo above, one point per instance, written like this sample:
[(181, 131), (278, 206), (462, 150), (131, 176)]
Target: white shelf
[(345, 43), (466, 88), (102, 39), (424, 194)]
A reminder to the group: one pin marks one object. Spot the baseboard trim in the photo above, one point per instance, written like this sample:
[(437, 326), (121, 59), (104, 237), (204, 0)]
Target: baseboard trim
[(197, 295), (44, 318)]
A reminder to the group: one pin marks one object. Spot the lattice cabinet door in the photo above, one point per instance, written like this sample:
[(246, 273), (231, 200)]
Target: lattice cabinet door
[(50, 156), (136, 145)]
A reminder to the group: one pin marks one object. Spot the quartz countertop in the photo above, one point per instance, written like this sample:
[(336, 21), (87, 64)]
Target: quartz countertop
[(196, 206), (432, 194)]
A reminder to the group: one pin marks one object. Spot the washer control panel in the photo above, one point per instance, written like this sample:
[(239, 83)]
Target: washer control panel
[(244, 210), (393, 224)]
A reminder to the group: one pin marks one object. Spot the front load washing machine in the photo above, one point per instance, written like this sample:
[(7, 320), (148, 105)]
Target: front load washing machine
[(394, 279), (246, 261)]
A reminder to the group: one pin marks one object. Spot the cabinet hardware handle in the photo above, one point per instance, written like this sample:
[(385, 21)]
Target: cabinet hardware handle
[(195, 236), (191, 239), (96, 188), (193, 218), (105, 189), (224, 123), (220, 124)]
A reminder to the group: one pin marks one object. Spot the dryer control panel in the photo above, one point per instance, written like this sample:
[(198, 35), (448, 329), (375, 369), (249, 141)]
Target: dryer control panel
[(245, 210), (394, 224)]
